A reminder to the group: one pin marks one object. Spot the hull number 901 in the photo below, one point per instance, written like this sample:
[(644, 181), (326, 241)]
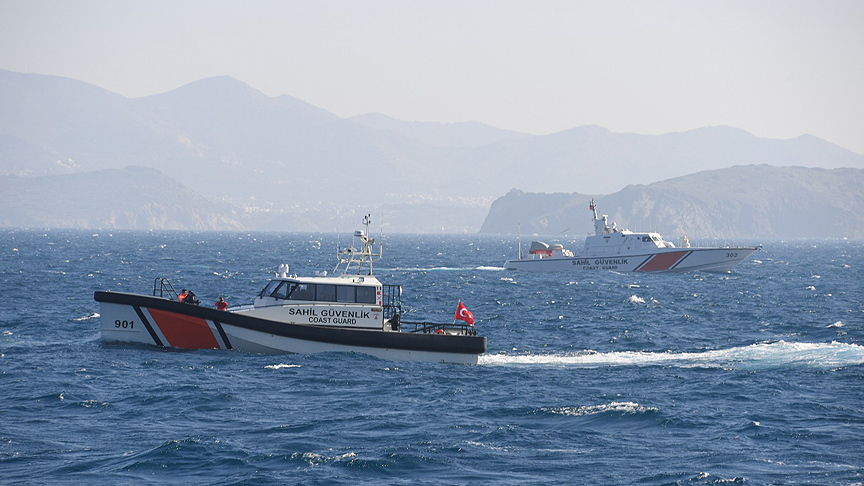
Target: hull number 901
[(124, 324)]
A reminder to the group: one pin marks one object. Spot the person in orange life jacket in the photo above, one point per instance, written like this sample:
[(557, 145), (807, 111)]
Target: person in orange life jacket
[(221, 304), (182, 296)]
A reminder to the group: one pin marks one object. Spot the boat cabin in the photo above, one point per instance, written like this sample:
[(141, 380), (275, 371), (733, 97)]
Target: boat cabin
[(542, 250), (624, 241), (354, 301), (354, 290)]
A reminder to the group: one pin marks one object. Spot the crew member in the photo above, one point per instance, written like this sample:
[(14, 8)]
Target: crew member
[(182, 296), (190, 298), (221, 304)]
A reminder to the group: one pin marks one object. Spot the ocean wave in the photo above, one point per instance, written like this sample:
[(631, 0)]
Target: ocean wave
[(282, 366), (612, 407), (93, 315), (780, 354)]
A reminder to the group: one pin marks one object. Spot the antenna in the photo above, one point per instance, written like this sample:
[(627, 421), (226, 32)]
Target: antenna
[(351, 256), (520, 241)]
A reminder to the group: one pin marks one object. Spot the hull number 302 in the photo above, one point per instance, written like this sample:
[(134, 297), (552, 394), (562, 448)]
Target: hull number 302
[(732, 255), (124, 324)]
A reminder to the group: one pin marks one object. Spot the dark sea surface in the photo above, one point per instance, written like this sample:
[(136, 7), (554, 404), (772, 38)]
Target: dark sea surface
[(751, 377)]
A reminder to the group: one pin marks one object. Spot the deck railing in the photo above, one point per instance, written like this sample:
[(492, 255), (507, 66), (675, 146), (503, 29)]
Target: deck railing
[(163, 286)]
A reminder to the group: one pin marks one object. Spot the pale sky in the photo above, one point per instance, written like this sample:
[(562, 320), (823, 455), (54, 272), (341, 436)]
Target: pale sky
[(777, 69)]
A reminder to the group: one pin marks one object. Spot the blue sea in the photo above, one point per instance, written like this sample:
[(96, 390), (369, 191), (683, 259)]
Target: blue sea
[(751, 377)]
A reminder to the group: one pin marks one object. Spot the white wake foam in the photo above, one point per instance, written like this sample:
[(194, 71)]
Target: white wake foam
[(764, 355), (484, 268)]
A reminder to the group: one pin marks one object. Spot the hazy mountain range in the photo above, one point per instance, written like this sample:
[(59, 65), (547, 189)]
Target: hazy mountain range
[(240, 159), (737, 202)]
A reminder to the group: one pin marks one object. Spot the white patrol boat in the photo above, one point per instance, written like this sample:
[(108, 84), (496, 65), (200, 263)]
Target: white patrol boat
[(620, 250), (350, 312)]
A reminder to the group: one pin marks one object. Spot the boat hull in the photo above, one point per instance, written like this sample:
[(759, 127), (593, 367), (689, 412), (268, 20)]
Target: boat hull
[(133, 318), (673, 260)]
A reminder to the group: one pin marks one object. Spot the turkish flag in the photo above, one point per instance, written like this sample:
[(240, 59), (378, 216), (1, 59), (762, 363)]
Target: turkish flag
[(463, 314)]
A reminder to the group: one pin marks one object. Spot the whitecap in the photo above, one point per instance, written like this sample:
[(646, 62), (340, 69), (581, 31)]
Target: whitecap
[(281, 366), (93, 315), (837, 324), (94, 404), (635, 299), (315, 458), (612, 407)]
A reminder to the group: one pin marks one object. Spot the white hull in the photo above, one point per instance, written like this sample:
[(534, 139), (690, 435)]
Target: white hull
[(667, 260), (166, 323)]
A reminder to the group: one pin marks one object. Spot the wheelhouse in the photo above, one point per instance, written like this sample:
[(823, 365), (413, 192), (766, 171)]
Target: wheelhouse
[(352, 291), (296, 290)]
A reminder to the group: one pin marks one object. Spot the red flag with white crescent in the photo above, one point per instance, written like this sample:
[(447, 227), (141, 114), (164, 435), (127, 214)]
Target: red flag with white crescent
[(463, 314)]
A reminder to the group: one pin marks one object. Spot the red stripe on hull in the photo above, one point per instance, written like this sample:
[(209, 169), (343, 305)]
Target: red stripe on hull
[(184, 331), (663, 261)]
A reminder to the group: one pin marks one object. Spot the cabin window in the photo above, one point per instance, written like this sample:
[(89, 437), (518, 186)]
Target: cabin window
[(345, 294), (268, 290), (646, 239), (281, 292), (302, 291), (366, 295), (348, 294), (325, 293)]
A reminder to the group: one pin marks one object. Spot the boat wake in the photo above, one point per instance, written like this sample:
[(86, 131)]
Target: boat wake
[(446, 269), (756, 356)]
